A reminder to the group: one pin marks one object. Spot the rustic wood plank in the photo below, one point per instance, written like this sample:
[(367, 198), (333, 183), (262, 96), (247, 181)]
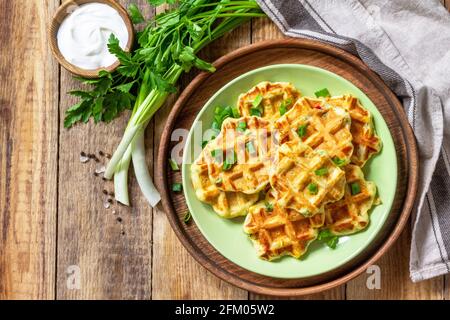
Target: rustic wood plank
[(176, 275), (394, 276), (265, 29), (111, 247), (28, 151), (446, 294)]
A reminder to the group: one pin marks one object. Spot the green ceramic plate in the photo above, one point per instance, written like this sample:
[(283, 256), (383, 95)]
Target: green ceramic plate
[(228, 237)]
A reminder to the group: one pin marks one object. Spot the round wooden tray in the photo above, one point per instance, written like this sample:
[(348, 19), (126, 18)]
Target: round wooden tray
[(275, 52)]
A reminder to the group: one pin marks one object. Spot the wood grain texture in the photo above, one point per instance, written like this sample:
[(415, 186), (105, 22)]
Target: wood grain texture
[(51, 211), (111, 247), (176, 275), (28, 151), (288, 51), (394, 276)]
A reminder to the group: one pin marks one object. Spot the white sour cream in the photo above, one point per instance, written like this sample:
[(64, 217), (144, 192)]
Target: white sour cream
[(83, 35)]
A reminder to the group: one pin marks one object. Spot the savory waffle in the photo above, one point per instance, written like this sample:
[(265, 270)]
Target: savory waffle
[(240, 157), (350, 214), (268, 100), (305, 180), (320, 126), (277, 231), (365, 141), (225, 204)]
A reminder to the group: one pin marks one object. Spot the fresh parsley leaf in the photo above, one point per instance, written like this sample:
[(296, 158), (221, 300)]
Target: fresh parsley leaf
[(156, 2), (126, 87), (115, 49), (81, 94), (135, 14)]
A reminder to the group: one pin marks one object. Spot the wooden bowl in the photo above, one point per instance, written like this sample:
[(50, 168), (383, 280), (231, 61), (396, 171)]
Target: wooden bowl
[(267, 53), (63, 11)]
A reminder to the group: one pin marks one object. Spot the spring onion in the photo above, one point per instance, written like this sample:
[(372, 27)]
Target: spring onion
[(167, 47)]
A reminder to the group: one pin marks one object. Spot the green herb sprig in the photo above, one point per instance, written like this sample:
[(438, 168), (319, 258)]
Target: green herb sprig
[(328, 238), (166, 48)]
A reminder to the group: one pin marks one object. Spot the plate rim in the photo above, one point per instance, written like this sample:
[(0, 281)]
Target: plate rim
[(410, 151), (207, 105)]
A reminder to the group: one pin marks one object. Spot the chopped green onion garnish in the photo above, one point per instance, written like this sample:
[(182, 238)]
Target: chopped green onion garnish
[(216, 152), (216, 125), (204, 143), (356, 188), (338, 162), (321, 171), (313, 188), (227, 112), (242, 126), (230, 160), (323, 234), (301, 131), (257, 101), (177, 187), (332, 242), (236, 113), (283, 108), (250, 147), (187, 217), (219, 181), (323, 93), (174, 165), (269, 206), (257, 112), (222, 113)]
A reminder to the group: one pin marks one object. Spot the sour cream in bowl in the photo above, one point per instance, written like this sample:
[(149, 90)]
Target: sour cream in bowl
[(80, 39)]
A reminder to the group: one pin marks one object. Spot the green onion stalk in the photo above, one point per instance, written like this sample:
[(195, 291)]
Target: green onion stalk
[(169, 47)]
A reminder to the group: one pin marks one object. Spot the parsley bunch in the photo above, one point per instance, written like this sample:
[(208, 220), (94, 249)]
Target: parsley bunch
[(166, 48)]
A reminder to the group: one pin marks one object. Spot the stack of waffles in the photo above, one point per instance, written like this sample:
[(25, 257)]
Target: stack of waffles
[(292, 165)]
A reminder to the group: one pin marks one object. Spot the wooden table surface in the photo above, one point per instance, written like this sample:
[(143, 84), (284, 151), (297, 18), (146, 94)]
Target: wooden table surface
[(57, 240)]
